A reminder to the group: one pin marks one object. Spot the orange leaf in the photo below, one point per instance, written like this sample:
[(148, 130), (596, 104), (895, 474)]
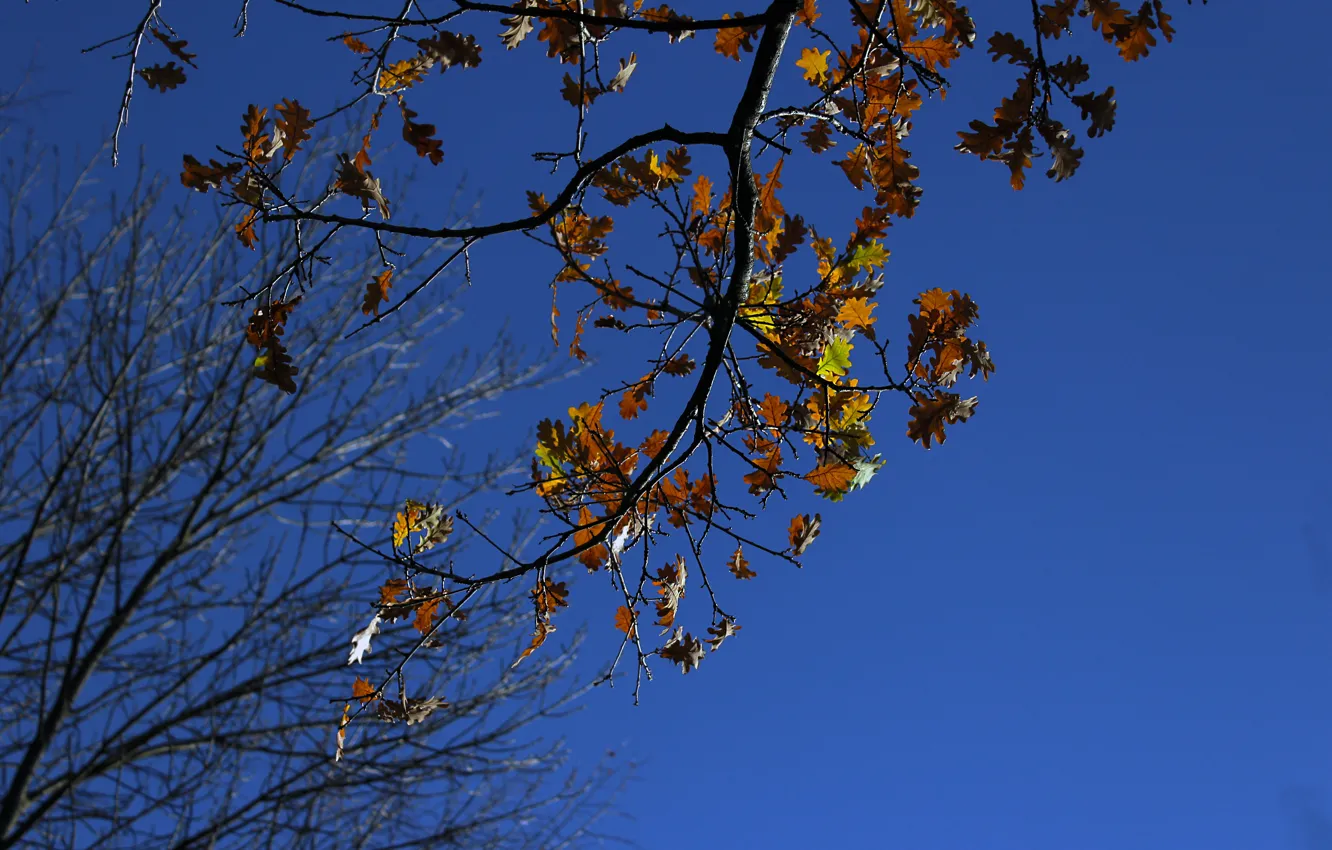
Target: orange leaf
[(773, 410), (539, 637), (855, 313), (935, 52), (625, 620), (254, 131), (809, 13), (390, 590), (425, 615), (294, 123), (355, 45), (802, 532), (364, 691), (376, 291), (245, 229), (831, 477), (738, 566)]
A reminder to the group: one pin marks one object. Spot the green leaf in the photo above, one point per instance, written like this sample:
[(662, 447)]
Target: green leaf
[(868, 255), (836, 359)]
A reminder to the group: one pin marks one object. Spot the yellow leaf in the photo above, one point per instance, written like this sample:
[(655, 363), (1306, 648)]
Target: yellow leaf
[(814, 63)]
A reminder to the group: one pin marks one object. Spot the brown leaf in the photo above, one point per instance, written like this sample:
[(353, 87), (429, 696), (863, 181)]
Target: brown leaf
[(294, 125), (738, 566), (355, 45), (731, 40), (626, 620), (419, 136), (390, 590), (361, 184), (679, 365), (376, 292), (201, 178), (1100, 108), (538, 638), (720, 632), (683, 649), (425, 615), (549, 596), (163, 77), (245, 229), (177, 48), (802, 532)]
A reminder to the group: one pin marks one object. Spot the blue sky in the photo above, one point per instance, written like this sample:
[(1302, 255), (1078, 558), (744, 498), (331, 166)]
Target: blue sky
[(1101, 616)]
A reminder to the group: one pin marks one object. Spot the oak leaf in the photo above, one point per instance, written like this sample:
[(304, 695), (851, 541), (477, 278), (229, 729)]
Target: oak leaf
[(683, 649), (738, 566), (831, 478), (814, 63), (802, 532), (294, 125), (626, 620), (376, 292), (720, 632), (163, 77), (177, 48), (364, 691)]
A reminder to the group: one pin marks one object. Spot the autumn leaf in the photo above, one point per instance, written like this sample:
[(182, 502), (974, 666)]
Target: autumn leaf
[(543, 630), (376, 292), (177, 48), (424, 621), (683, 649), (550, 596), (731, 40), (361, 641), (831, 478), (720, 632), (835, 360), (808, 13), (814, 63), (403, 74), (342, 733), (935, 52), (419, 136), (802, 532), (293, 125), (245, 229), (856, 313), (1100, 108), (163, 77), (390, 590), (930, 413), (621, 78), (738, 566), (626, 620), (201, 178), (355, 45), (1006, 44), (773, 410), (351, 180), (364, 691)]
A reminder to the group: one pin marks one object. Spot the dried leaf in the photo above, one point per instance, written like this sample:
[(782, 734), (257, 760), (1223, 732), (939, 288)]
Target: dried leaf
[(802, 532), (163, 77), (738, 566)]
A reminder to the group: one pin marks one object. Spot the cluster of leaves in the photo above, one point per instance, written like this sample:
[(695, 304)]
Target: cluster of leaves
[(767, 338)]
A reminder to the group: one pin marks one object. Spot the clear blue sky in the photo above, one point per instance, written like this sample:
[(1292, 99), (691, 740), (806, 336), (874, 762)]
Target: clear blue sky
[(1101, 616)]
